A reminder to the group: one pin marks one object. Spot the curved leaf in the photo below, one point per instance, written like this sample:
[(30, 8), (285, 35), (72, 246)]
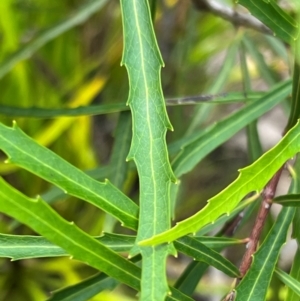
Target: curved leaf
[(251, 178)]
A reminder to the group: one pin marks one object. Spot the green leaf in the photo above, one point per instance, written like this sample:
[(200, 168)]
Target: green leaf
[(292, 198), (289, 281), (218, 242), (295, 189), (268, 12), (254, 285), (43, 219), (195, 249), (288, 200), (188, 280), (36, 112), (260, 63), (54, 193), (94, 285), (68, 112), (216, 134), (120, 150), (86, 289), (226, 218), (118, 164), (294, 274), (278, 47), (90, 287), (295, 105), (77, 18), (26, 153), (253, 142), (143, 61), (201, 113), (19, 247), (251, 178), (177, 295)]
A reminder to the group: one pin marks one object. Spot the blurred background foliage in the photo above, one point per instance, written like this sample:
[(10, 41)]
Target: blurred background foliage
[(203, 54)]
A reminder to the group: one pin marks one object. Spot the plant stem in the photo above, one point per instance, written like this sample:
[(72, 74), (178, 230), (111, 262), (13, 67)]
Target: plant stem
[(268, 195)]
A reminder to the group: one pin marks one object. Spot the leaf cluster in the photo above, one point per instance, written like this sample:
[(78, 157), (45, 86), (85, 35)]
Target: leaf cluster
[(96, 211)]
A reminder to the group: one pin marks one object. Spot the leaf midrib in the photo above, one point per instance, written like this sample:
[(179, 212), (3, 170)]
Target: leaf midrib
[(70, 180), (67, 238)]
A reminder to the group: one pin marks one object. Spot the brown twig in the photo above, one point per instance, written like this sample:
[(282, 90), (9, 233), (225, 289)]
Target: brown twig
[(268, 195), (236, 18)]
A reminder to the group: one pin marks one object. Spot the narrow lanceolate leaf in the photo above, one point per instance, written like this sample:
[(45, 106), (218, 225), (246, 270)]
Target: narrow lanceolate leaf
[(265, 71), (92, 286), (196, 149), (288, 200), (55, 194), (218, 242), (295, 189), (28, 50), (39, 216), (85, 290), (120, 150), (26, 153), (66, 112), (255, 284), (268, 12), (190, 277), (227, 218), (200, 252), (289, 281), (177, 295), (118, 164), (295, 274), (143, 61), (19, 247), (251, 178), (38, 112), (295, 270), (88, 288), (295, 106)]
